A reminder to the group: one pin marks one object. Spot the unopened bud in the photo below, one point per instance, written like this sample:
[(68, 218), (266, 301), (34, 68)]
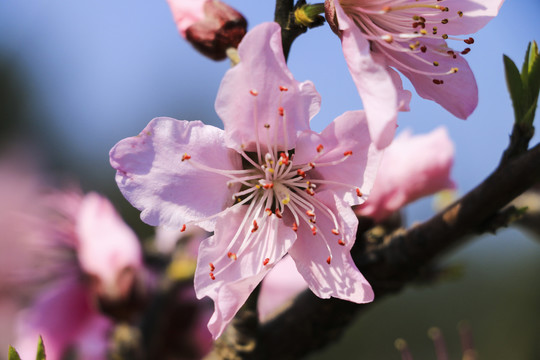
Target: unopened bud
[(211, 26)]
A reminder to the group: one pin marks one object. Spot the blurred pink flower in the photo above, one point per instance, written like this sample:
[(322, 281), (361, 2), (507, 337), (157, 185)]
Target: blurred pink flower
[(97, 255), (412, 167), (261, 199), (410, 36), (211, 26)]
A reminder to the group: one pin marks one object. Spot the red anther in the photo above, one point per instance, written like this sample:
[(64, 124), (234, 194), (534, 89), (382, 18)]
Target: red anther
[(465, 51), (186, 157), (278, 214), (301, 173), (254, 92), (310, 213), (268, 211), (283, 88), (310, 191), (295, 227), (212, 276), (319, 148), (183, 228), (314, 230), (347, 153), (284, 158), (358, 192), (335, 231), (329, 260), (469, 41), (312, 165), (232, 255), (280, 111), (386, 9), (341, 242), (255, 226), (268, 186), (266, 261), (212, 267)]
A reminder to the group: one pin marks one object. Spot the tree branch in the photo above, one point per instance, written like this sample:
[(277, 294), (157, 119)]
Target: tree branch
[(311, 323)]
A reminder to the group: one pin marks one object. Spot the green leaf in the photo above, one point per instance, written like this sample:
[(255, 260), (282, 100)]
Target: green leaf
[(13, 354), (533, 78), (525, 67), (40, 355), (515, 86)]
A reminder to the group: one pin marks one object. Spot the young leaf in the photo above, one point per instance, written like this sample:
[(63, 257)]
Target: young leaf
[(40, 355), (515, 87), (13, 354)]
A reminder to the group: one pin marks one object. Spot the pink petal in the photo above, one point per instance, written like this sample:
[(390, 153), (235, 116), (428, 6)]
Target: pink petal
[(107, 246), (458, 94), (279, 286), (476, 14), (348, 132), (59, 315), (169, 191), (412, 167), (340, 278), (236, 279), (262, 68), (186, 13), (373, 81)]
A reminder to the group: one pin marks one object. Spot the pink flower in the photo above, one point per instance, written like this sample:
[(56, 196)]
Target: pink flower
[(266, 186), (412, 167), (410, 36), (98, 255), (211, 26)]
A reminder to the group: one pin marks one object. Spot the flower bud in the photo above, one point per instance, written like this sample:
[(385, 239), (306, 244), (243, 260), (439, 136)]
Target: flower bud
[(211, 26)]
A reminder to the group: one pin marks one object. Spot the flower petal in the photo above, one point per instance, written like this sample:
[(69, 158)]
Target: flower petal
[(476, 14), (340, 278), (262, 68), (373, 81), (169, 191), (347, 133), (412, 167), (235, 257), (186, 13), (458, 94), (107, 246)]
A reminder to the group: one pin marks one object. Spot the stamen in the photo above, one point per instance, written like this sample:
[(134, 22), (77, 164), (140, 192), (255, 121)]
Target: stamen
[(212, 276), (183, 228), (266, 261), (186, 157), (212, 267), (232, 256), (341, 242)]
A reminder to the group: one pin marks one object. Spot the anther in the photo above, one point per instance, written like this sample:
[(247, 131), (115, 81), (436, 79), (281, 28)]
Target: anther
[(388, 38), (314, 230), (212, 267), (254, 92), (341, 242), (267, 126), (358, 192), (312, 165), (183, 228), (444, 21), (212, 276), (438, 82), (465, 51), (310, 213), (435, 63), (268, 211), (454, 70), (295, 226), (266, 261), (186, 157), (423, 49), (423, 32), (270, 185), (460, 13), (329, 260), (278, 213), (445, 36), (347, 153), (232, 256), (469, 41), (283, 88), (255, 226), (319, 148), (310, 191), (280, 111), (335, 231), (301, 173)]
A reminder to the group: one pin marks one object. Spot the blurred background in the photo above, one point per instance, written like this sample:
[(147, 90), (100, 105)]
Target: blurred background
[(76, 77)]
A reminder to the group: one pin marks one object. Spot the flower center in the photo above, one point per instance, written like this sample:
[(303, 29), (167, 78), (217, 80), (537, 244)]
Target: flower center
[(404, 27)]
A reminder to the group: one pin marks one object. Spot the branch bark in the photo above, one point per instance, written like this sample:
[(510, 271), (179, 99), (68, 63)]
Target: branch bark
[(311, 323)]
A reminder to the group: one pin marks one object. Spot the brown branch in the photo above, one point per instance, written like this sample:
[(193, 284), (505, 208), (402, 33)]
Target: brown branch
[(290, 30), (311, 323)]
